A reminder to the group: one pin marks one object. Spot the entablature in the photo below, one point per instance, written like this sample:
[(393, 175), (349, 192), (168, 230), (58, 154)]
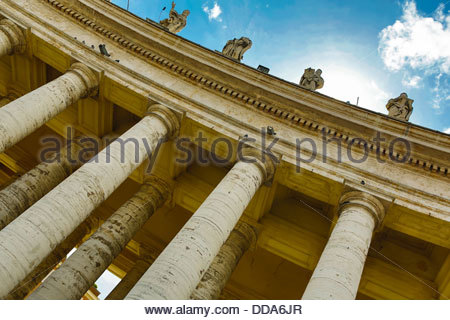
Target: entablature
[(233, 99)]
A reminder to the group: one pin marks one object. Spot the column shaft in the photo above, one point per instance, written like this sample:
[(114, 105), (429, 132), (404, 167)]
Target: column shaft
[(223, 265), (12, 39), (29, 188), (41, 271), (131, 278), (32, 186), (179, 268), (80, 271), (24, 115), (26, 241), (338, 272)]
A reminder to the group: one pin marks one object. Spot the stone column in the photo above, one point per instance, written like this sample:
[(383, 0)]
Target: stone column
[(80, 271), (180, 267), (338, 273), (223, 265), (41, 271), (32, 186), (12, 39), (24, 115), (132, 277), (26, 241)]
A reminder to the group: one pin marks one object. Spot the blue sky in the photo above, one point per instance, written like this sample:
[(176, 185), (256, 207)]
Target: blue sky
[(371, 49)]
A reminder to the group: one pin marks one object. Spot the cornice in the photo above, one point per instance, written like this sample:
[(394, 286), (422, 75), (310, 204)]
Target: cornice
[(276, 113), (267, 82), (141, 84), (286, 115)]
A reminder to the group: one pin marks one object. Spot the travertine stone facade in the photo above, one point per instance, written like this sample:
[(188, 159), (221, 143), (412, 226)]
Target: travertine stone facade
[(23, 245), (32, 186), (12, 39), (25, 114), (144, 262), (219, 272), (314, 217), (179, 268), (29, 284), (338, 273), (76, 275)]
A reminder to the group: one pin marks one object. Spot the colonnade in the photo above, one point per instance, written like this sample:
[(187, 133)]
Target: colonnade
[(42, 210)]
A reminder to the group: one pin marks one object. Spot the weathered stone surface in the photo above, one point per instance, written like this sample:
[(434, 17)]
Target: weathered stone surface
[(26, 241), (237, 47), (32, 186), (401, 107), (22, 116), (223, 265), (144, 262), (26, 190), (180, 267), (12, 39), (338, 273), (231, 100), (42, 270), (312, 79), (80, 271), (176, 22)]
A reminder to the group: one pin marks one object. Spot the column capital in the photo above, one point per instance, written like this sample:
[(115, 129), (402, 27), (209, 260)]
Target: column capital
[(88, 76), (15, 36), (364, 200), (167, 116), (246, 231), (262, 160), (162, 186)]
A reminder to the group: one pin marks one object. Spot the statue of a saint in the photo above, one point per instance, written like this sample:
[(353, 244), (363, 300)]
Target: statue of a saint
[(236, 48), (400, 108), (312, 79), (176, 22)]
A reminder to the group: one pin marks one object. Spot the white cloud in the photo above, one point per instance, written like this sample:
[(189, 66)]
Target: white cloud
[(213, 13), (343, 81), (411, 82), (440, 91), (439, 14), (417, 41), (447, 131), (347, 84)]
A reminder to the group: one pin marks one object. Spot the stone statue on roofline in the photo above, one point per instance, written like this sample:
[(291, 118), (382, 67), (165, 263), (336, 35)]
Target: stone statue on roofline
[(236, 48), (312, 79), (176, 22), (401, 107)]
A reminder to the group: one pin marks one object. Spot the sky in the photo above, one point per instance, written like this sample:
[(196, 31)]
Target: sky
[(371, 49)]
